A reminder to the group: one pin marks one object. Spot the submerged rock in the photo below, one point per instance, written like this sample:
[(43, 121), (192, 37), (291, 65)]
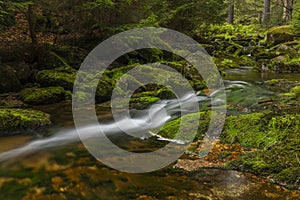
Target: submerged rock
[(18, 120)]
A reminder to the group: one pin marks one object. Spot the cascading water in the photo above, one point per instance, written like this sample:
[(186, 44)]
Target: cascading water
[(154, 117)]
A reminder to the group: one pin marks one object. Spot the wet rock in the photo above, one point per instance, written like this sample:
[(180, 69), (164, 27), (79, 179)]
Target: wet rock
[(62, 76), (170, 129), (39, 96), (279, 34), (16, 120)]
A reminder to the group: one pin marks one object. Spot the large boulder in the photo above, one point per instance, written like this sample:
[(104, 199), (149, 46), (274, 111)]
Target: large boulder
[(279, 34), (9, 81)]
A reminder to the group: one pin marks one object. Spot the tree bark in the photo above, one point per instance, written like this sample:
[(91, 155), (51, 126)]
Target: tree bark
[(287, 9), (31, 25), (267, 12), (230, 13)]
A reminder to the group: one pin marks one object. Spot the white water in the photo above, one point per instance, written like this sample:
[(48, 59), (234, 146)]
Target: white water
[(154, 117)]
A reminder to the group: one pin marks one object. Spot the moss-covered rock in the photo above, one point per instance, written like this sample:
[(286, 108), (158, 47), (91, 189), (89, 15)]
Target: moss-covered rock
[(275, 136), (142, 102), (16, 120), (244, 129), (279, 34), (171, 128), (63, 76), (38, 96)]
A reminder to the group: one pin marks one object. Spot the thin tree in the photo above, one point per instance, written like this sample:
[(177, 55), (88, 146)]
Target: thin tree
[(31, 24), (287, 9), (230, 18), (267, 12)]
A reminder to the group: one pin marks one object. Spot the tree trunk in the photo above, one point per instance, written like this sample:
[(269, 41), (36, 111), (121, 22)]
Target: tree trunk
[(267, 10), (31, 25), (230, 13), (287, 9)]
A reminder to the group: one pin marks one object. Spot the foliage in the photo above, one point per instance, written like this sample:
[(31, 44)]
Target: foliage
[(296, 18), (231, 30)]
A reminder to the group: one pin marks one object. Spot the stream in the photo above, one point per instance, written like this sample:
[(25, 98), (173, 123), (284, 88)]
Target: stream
[(59, 166)]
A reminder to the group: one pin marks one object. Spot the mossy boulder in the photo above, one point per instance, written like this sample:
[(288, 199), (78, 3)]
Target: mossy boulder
[(104, 90), (62, 76), (145, 99), (17, 120), (39, 96), (170, 129), (9, 81), (279, 34), (104, 87)]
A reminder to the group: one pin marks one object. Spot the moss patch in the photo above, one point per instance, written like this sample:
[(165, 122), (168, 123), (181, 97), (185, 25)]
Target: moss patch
[(12, 120), (279, 34), (276, 135), (244, 129), (38, 96), (171, 128), (63, 76)]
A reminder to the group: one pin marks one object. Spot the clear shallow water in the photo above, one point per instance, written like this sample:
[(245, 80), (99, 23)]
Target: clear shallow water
[(246, 74), (74, 174)]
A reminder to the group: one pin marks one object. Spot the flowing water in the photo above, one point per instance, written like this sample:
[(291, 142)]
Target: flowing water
[(59, 167)]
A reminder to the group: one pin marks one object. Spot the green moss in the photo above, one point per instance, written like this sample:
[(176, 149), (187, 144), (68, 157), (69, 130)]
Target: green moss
[(279, 34), (292, 96), (289, 176), (38, 96), (142, 102), (104, 90), (296, 90), (171, 128), (63, 76), (68, 95), (245, 129), (279, 145), (12, 120)]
